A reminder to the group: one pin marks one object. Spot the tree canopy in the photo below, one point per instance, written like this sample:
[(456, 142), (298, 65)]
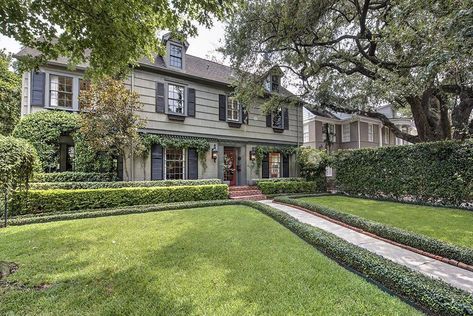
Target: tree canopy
[(109, 35), (352, 56), (10, 93)]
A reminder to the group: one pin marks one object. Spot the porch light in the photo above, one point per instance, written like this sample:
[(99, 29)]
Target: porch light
[(214, 153), (253, 154)]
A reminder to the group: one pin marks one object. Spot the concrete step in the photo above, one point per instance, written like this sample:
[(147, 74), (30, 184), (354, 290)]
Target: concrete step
[(245, 192), (258, 197), (242, 188)]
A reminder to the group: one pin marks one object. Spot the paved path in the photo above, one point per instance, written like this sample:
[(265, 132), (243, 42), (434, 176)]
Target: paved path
[(455, 276)]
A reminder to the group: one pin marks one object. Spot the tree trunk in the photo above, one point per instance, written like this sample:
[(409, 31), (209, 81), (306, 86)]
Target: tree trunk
[(461, 116)]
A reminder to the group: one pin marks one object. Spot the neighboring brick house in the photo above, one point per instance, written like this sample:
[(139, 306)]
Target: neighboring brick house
[(351, 131), (185, 96)]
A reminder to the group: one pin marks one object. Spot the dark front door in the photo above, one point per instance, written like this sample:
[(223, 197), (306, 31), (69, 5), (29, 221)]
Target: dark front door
[(229, 166)]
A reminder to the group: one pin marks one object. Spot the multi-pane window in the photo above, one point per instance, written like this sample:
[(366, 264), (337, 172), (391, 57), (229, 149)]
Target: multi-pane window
[(60, 91), (175, 160), (233, 110), (329, 133), (370, 132), (175, 99), (275, 82), (306, 133), (386, 135), (345, 133), (175, 56), (274, 165), (277, 118)]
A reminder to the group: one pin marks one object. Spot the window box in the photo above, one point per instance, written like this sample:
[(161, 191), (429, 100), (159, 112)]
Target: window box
[(176, 117)]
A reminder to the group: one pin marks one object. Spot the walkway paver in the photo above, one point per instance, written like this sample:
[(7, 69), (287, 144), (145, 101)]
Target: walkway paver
[(455, 276)]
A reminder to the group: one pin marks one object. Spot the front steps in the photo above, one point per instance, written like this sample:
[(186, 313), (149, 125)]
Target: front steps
[(246, 193)]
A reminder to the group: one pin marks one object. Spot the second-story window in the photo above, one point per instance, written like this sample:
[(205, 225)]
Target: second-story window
[(233, 110), (175, 56), (277, 118), (275, 82), (60, 91), (175, 99)]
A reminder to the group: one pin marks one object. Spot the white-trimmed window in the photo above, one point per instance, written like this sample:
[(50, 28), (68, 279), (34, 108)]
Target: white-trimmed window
[(386, 135), (175, 99), (60, 91), (306, 133), (370, 133), (233, 110), (329, 129), (175, 164), (345, 133), (274, 165), (328, 171), (175, 56)]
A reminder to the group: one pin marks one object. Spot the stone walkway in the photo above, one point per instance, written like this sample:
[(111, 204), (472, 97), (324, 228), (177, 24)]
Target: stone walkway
[(455, 276)]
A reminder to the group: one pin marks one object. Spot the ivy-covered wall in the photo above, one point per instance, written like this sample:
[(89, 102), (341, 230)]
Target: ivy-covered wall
[(440, 172)]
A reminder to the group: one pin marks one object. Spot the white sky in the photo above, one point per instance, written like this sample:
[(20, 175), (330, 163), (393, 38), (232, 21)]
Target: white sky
[(204, 45)]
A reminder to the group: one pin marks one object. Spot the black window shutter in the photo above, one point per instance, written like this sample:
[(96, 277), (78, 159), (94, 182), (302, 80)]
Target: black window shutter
[(157, 162), (285, 166), (222, 107), (265, 166), (245, 118), (268, 120), (120, 168), (160, 102), (192, 164), (286, 118), (38, 82), (191, 102)]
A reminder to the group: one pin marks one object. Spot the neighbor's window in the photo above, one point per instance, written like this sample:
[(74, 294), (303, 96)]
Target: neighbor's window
[(175, 163), (275, 81), (386, 135), (306, 133), (345, 133), (329, 130), (233, 110), (175, 56), (60, 91), (274, 165), (175, 99), (370, 132), (277, 118)]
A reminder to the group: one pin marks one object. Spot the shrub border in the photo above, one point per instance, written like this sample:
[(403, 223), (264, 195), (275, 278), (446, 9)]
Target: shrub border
[(421, 291), (458, 256)]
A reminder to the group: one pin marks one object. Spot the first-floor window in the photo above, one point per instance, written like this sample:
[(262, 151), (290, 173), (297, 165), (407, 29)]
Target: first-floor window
[(345, 133), (370, 132), (274, 165), (233, 110), (175, 162), (386, 135), (175, 99), (306, 133), (328, 171), (60, 91), (329, 133)]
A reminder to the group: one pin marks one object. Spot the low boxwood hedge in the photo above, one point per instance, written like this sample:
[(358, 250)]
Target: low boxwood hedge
[(119, 184), (404, 237), (432, 295), (39, 201), (294, 186), (70, 176)]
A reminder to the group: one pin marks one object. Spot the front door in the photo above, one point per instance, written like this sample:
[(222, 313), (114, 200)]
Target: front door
[(229, 165)]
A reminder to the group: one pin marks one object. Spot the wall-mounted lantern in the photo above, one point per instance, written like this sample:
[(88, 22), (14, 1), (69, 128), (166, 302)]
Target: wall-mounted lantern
[(214, 153), (252, 154)]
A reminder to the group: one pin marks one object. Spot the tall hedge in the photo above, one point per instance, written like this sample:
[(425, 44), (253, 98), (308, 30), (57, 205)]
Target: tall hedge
[(439, 172)]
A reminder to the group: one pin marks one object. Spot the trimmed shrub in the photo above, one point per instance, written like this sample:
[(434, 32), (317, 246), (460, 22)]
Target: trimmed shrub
[(438, 173), (71, 176), (296, 186), (39, 201), (119, 184), (421, 242)]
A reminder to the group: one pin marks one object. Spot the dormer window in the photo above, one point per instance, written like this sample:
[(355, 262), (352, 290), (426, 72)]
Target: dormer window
[(275, 82), (175, 56)]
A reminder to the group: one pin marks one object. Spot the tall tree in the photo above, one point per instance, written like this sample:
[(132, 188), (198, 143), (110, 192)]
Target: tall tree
[(352, 56), (10, 94), (109, 123), (108, 34)]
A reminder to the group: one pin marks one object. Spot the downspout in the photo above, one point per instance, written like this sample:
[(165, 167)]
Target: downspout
[(359, 134), (132, 151)]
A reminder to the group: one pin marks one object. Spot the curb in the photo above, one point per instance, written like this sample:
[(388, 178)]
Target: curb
[(359, 230)]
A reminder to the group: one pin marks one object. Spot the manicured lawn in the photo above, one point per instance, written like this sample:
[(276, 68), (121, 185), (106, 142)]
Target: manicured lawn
[(215, 261), (450, 225)]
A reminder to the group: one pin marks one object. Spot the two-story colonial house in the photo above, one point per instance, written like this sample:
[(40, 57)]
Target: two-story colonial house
[(190, 97)]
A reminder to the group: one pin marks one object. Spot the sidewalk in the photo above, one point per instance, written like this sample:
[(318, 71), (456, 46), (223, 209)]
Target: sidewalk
[(455, 276)]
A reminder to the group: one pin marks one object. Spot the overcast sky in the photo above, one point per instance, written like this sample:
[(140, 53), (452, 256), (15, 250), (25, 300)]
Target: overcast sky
[(204, 45)]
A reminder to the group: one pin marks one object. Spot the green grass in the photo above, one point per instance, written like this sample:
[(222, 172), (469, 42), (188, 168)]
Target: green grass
[(227, 260), (450, 225)]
